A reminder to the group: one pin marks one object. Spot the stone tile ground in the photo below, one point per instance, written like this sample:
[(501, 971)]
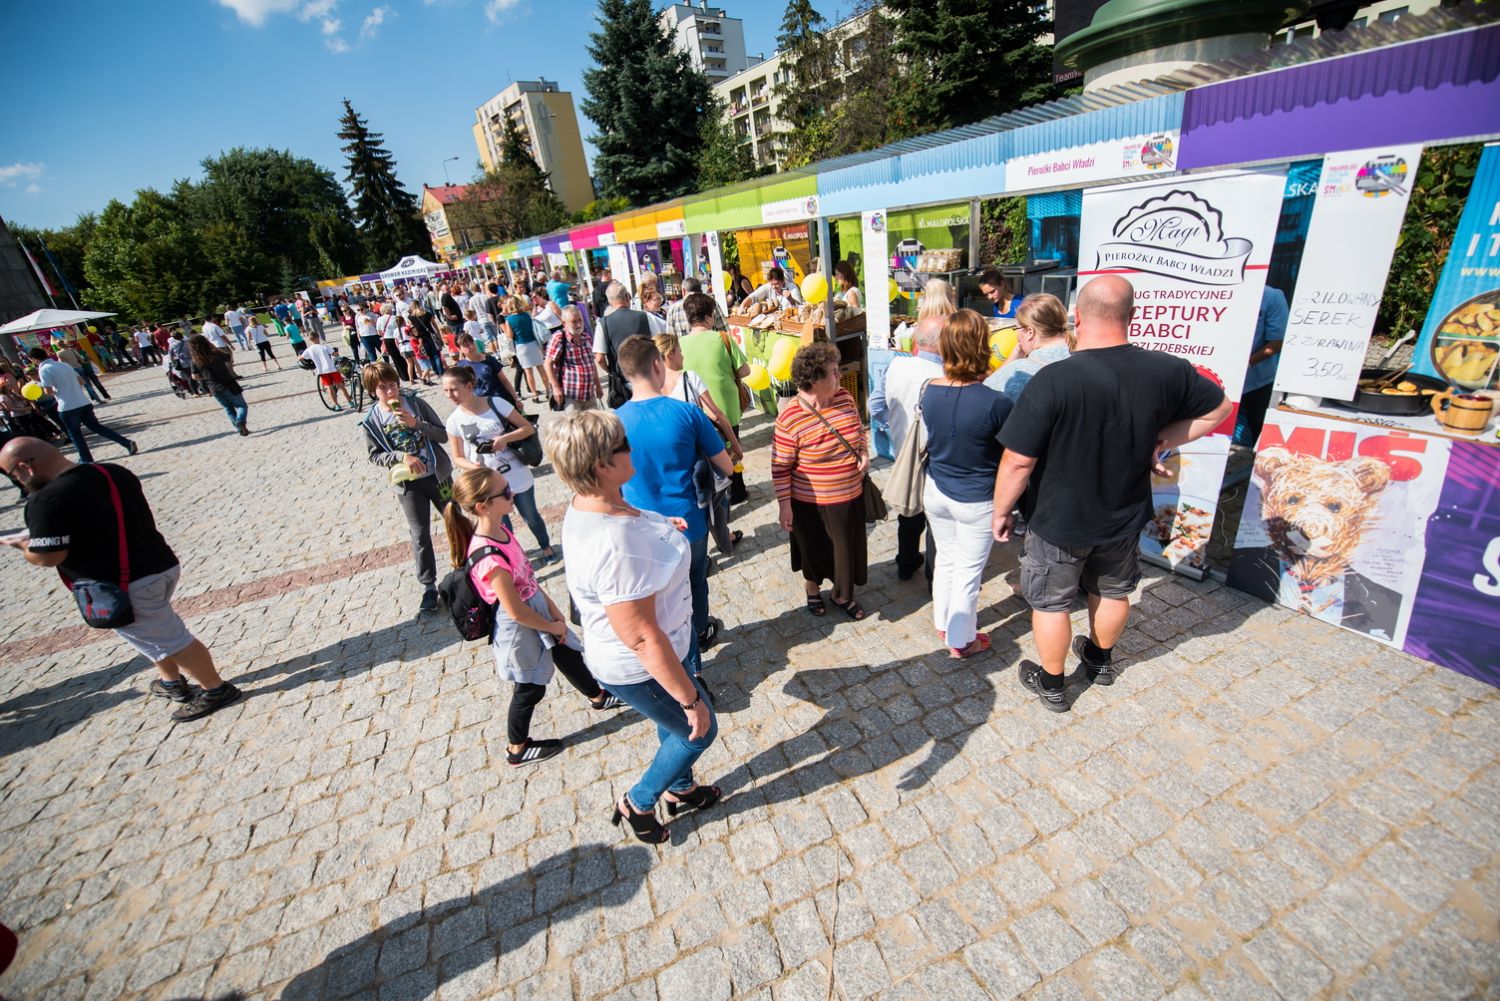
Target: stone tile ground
[(1262, 807)]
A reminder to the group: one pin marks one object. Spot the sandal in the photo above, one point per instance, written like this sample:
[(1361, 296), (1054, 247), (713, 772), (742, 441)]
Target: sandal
[(816, 606), (735, 537), (980, 644), (645, 825), (700, 798), (850, 608)]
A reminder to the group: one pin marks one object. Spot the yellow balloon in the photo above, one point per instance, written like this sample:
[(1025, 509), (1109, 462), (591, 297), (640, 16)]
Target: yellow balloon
[(1002, 345), (32, 391), (780, 364), (758, 379), (93, 329), (726, 280), (815, 288)]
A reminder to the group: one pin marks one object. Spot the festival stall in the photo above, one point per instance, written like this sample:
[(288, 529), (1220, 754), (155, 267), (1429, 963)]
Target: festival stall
[(409, 268)]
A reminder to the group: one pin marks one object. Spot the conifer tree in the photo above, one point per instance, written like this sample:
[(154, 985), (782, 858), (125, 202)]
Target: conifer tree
[(389, 219)]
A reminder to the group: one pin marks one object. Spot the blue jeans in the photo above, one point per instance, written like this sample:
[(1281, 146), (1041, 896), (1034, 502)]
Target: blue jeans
[(90, 380), (526, 505), (234, 406), (672, 767), (698, 579), (78, 418), (372, 349)]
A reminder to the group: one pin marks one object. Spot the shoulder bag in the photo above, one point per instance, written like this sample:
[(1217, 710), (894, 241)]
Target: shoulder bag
[(105, 604), (875, 509), (903, 490), (529, 450), (743, 389)]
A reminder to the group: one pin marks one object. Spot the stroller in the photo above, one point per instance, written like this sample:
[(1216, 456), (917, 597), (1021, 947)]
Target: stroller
[(180, 386)]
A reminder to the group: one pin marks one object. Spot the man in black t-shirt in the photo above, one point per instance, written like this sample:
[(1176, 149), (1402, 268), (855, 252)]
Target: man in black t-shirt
[(1079, 449), (74, 523)]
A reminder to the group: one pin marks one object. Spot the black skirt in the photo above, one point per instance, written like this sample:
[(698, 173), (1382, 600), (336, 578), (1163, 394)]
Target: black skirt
[(828, 543)]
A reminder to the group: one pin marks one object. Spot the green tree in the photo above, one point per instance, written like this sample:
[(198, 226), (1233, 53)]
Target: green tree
[(509, 202), (969, 59), (726, 158), (809, 61), (1004, 231), (648, 102), (389, 219), (146, 259), (599, 208)]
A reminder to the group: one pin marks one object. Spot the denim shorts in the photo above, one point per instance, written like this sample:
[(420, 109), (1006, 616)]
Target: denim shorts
[(1052, 575), (157, 632)]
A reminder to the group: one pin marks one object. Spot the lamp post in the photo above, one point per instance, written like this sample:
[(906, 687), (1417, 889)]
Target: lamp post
[(445, 169)]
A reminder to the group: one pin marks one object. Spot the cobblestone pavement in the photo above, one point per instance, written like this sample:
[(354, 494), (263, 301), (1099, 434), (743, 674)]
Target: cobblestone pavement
[(1262, 807)]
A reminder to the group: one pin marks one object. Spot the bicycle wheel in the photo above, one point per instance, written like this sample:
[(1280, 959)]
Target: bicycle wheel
[(356, 388), (324, 395)]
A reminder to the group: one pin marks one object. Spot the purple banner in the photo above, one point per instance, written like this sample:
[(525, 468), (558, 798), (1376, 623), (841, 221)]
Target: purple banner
[(648, 258), (1455, 618), (1429, 91), (553, 244)]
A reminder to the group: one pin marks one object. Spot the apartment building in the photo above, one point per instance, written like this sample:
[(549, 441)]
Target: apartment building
[(549, 127), (1371, 13), (714, 41)]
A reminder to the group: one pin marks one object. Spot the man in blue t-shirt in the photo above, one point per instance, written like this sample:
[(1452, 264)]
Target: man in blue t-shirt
[(668, 440), (1265, 354), (558, 290)]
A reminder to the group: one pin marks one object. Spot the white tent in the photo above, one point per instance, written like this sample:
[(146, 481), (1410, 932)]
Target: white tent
[(49, 319), (412, 266)]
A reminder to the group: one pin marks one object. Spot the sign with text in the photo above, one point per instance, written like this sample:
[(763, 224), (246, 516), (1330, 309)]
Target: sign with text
[(1196, 249), (875, 246), (1111, 160), (1361, 200)]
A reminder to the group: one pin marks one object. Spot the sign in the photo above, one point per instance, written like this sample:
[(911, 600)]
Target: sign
[(1361, 200), (790, 209), (1460, 339), (716, 275), (1196, 249), (666, 230), (1149, 153), (647, 258), (619, 265), (875, 245)]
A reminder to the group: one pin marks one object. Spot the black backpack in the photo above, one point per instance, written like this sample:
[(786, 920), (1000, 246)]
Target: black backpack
[(473, 617)]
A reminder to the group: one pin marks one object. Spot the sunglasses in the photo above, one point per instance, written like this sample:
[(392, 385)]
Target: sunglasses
[(507, 494), (624, 446)]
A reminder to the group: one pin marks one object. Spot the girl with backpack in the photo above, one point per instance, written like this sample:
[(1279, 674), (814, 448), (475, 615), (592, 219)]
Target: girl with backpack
[(530, 636)]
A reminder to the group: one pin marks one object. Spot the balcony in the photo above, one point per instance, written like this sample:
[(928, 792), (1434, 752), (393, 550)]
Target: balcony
[(759, 99), (710, 29), (739, 108), (716, 72)]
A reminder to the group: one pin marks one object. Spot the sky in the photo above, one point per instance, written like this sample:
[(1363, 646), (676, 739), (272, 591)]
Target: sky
[(161, 85)]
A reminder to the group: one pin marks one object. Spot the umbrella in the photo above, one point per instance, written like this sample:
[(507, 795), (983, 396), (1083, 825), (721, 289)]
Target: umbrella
[(47, 319)]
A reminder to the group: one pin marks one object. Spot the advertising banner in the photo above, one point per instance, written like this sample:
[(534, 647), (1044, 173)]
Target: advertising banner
[(1335, 521), (717, 278), (875, 250), (765, 247), (619, 265), (1196, 249), (1111, 160), (1460, 339), (1361, 201), (647, 257)]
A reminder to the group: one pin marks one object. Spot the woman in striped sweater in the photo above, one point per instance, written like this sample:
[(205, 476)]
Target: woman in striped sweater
[(818, 460)]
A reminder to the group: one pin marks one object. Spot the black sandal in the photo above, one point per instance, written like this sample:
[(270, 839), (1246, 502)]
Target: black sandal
[(645, 825), (734, 539), (850, 608), (701, 798), (816, 606)]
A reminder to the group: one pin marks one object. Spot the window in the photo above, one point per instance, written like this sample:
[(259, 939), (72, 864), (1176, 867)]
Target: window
[(1393, 15)]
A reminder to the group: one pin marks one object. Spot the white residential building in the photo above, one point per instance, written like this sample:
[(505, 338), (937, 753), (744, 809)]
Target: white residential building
[(714, 41)]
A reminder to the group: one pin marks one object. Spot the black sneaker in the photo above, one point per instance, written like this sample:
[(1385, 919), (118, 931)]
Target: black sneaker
[(182, 692), (429, 600), (202, 703), (1098, 674), (611, 701), (1057, 701), (535, 750)]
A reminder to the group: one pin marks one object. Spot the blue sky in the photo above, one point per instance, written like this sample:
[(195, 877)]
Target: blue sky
[(152, 88)]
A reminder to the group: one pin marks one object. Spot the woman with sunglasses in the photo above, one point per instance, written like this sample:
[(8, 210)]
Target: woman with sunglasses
[(531, 636), (628, 573), (1043, 336)]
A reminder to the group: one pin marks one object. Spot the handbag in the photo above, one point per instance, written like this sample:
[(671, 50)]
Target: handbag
[(528, 450), (903, 490), (875, 509), (744, 390), (104, 604)]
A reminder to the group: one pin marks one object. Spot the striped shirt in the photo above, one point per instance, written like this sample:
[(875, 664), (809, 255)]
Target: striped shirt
[(808, 462)]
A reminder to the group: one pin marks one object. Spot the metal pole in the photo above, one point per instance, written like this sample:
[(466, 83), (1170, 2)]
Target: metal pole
[(974, 223)]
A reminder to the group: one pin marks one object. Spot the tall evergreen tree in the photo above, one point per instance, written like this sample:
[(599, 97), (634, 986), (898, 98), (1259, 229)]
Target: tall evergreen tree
[(970, 59), (804, 96), (389, 219), (648, 102), (726, 157)]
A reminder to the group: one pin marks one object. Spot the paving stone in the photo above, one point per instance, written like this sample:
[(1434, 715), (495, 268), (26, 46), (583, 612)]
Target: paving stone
[(1001, 967), (1119, 976), (1048, 940), (1291, 970)]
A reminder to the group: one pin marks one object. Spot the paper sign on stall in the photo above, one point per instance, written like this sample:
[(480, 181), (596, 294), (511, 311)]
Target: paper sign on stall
[(1152, 153), (1196, 249), (877, 267), (716, 276), (1356, 218)]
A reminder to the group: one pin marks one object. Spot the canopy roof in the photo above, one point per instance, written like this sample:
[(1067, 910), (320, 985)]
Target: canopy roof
[(411, 266), (49, 319)]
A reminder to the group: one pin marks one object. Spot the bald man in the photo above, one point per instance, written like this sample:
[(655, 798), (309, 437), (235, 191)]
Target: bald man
[(1079, 448), (71, 525)]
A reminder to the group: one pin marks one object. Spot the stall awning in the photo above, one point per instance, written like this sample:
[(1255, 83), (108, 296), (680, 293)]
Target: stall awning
[(591, 235), (557, 243), (1437, 89), (782, 198)]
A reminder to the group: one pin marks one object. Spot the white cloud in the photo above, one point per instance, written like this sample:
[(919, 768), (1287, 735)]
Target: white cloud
[(495, 9), (11, 173), (337, 45), (33, 188), (255, 12), (331, 26), (318, 8), (372, 22)]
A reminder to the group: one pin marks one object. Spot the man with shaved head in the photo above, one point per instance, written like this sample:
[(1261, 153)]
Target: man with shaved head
[(1079, 448), (73, 522)]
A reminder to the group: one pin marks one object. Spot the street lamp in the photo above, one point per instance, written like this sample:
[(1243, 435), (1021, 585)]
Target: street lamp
[(445, 169)]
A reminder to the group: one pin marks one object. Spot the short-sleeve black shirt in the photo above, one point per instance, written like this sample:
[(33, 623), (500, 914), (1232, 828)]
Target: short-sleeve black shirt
[(1091, 421), (74, 512)]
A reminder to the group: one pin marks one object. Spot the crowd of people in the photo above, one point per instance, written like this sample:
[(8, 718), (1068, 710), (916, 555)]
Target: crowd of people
[(1056, 446)]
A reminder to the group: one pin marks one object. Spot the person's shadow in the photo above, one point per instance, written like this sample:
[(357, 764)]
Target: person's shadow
[(34, 716), (419, 952)]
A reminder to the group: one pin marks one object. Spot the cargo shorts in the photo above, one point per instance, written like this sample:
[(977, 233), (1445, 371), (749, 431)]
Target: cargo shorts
[(1052, 575)]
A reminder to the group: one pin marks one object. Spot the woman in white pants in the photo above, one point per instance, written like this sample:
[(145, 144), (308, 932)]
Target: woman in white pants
[(962, 418)]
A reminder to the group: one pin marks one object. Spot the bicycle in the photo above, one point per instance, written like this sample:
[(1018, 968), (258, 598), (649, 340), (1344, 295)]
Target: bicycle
[(352, 385)]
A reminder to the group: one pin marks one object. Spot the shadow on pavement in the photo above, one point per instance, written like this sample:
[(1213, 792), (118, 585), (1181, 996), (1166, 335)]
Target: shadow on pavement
[(470, 932), (408, 640), (36, 715)]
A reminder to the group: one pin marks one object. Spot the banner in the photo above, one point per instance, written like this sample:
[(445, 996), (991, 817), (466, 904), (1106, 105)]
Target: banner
[(875, 250), (1196, 249), (1335, 520), (1361, 201), (647, 258), (1092, 163), (784, 247), (1460, 339), (619, 265)]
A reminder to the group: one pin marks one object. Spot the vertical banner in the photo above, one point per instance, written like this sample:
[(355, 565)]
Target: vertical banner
[(718, 278), (619, 265), (1196, 249), (1336, 522), (1460, 339), (1361, 200), (877, 277), (647, 258)]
